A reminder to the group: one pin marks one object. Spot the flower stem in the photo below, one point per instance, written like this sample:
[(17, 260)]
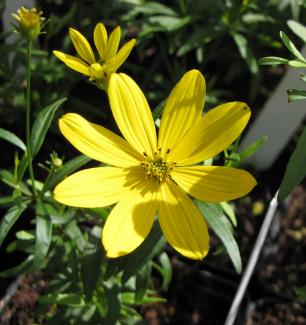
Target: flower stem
[(28, 130)]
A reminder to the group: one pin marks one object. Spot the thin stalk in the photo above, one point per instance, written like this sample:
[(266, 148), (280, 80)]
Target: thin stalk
[(232, 314), (28, 129)]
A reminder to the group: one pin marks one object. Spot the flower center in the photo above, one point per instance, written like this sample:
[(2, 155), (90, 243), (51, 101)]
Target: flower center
[(157, 167), (98, 71)]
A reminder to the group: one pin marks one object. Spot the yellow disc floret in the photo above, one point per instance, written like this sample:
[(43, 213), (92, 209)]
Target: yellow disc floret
[(157, 167)]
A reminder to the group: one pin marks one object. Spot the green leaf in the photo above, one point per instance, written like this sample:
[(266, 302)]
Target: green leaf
[(272, 60), (199, 38), (291, 47), (68, 168), (22, 167), (70, 299), (229, 211), (6, 201), (296, 169), (91, 261), (17, 270), (222, 227), (43, 234), (143, 279), (12, 138), (296, 64), (24, 235), (252, 148), (253, 18), (73, 232), (42, 124), (246, 52), (112, 293), (295, 94), (165, 269), (298, 29), (9, 220), (157, 112)]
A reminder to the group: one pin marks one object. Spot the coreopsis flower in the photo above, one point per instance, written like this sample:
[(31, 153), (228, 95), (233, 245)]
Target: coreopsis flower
[(110, 59), (147, 176), (28, 22)]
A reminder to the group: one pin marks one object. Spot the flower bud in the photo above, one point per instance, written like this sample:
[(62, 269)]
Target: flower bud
[(28, 22)]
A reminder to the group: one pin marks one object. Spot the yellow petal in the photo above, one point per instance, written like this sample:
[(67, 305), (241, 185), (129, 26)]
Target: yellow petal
[(182, 223), (73, 62), (97, 187), (100, 39), (97, 142), (113, 43), (214, 183), (132, 113), (183, 108), (82, 46), (129, 223), (213, 133), (123, 53)]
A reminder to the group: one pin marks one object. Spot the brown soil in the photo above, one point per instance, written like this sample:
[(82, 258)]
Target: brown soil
[(269, 313), (20, 308), (285, 270)]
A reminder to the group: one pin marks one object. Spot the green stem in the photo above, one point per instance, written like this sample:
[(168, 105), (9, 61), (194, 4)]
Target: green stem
[(28, 129)]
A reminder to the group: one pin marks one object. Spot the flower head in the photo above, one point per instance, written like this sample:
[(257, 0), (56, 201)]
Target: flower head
[(110, 59), (156, 176), (29, 22)]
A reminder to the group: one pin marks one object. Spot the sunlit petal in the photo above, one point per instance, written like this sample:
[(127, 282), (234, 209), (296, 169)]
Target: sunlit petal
[(97, 187), (183, 108), (182, 223), (123, 53), (214, 183), (73, 62), (82, 46), (129, 223), (132, 113), (97, 142), (213, 133), (100, 39), (113, 43)]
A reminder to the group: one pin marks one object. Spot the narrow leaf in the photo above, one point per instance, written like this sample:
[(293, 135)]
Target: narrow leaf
[(272, 60), (12, 138), (70, 299), (113, 302), (222, 227), (298, 29), (143, 279), (296, 64), (42, 124), (19, 269), (229, 211), (43, 234), (91, 261), (9, 220), (291, 47), (246, 52), (296, 169), (252, 148), (295, 94)]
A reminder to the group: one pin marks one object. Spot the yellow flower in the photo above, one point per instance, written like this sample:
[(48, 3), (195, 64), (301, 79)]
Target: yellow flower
[(28, 22), (152, 176), (110, 59)]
